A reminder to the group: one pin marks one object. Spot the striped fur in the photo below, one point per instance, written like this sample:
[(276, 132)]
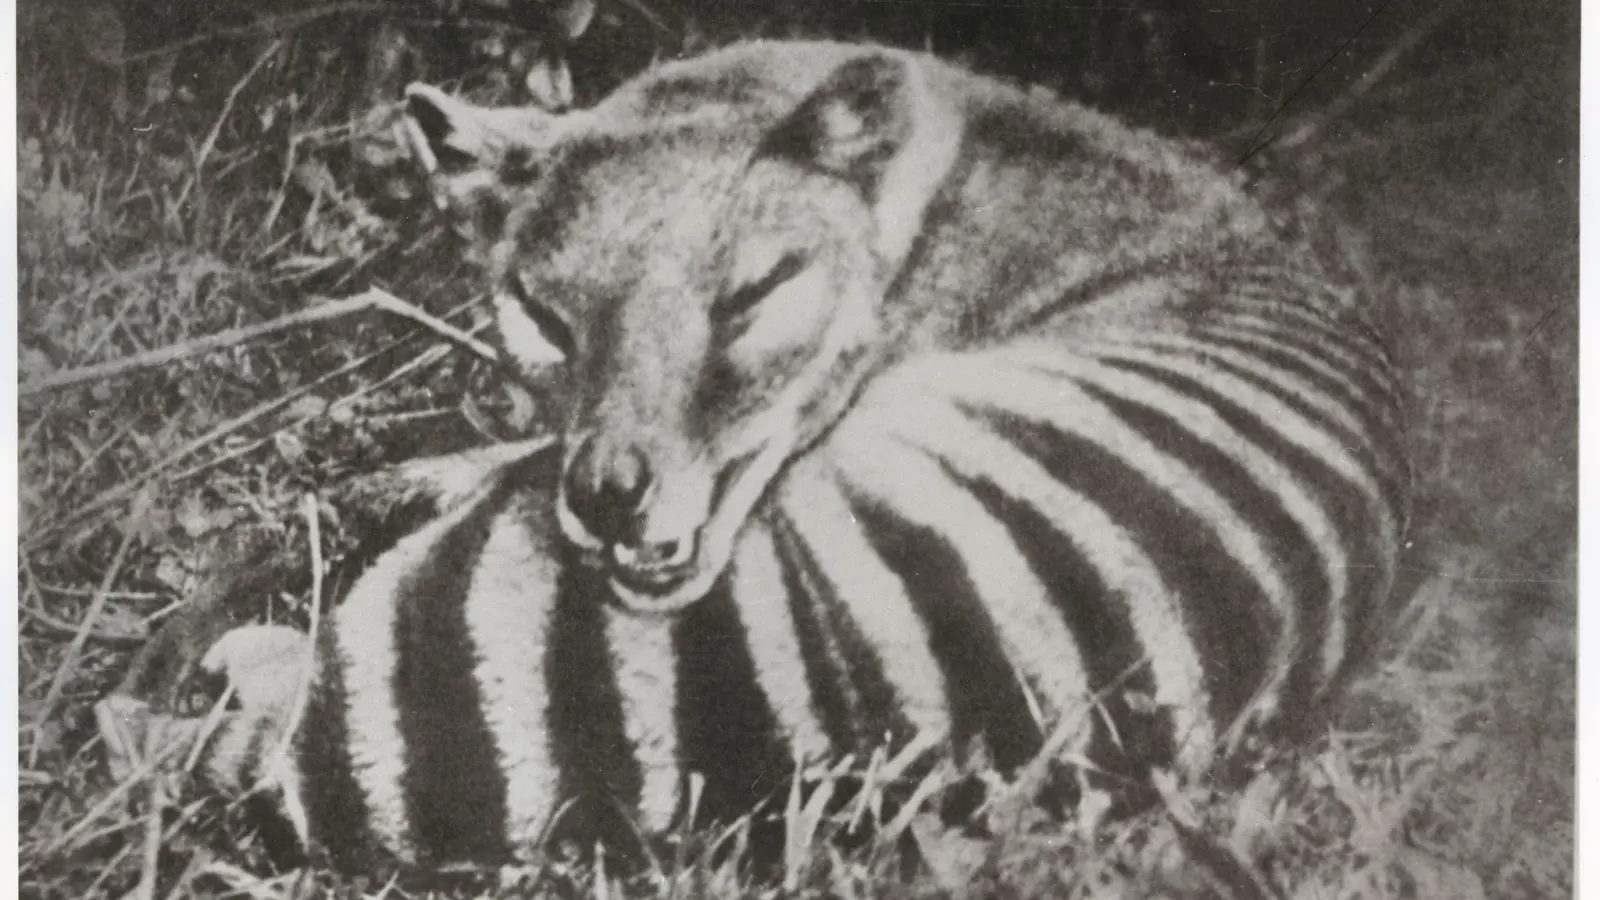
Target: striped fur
[(990, 538), (1156, 501)]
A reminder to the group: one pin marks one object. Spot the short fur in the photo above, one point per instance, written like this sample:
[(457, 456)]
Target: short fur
[(900, 402)]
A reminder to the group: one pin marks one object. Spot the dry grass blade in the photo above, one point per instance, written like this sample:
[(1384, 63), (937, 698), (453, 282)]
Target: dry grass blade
[(86, 627), (373, 298), (382, 299), (264, 25), (149, 870), (308, 510), (210, 143), (121, 492), (80, 829), (1313, 124)]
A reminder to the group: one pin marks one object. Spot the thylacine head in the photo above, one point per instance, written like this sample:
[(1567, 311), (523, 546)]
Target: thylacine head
[(726, 250)]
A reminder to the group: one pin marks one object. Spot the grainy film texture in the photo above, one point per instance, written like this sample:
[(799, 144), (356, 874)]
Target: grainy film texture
[(661, 448)]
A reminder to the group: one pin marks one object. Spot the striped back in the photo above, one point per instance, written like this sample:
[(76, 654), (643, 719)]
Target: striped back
[(1175, 537), (1039, 428)]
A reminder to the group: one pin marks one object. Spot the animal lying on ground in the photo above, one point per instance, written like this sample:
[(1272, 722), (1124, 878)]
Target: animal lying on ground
[(898, 403)]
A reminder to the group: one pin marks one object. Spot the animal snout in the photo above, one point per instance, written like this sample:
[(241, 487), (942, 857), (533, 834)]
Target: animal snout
[(607, 489), (610, 489)]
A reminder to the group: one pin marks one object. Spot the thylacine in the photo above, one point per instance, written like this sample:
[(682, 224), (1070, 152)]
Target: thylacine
[(899, 402)]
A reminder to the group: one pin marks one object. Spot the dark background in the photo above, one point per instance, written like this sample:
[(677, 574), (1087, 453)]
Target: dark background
[(189, 167)]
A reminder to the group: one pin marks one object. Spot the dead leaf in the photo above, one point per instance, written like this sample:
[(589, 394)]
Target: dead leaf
[(192, 515), (290, 447), (171, 572)]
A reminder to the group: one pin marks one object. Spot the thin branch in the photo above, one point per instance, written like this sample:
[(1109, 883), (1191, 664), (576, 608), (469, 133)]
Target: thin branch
[(373, 298), (62, 629), (650, 15), (282, 24), (267, 25), (309, 511), (1313, 123), (150, 864), (85, 628), (122, 491), (388, 302), (79, 832), (183, 349), (127, 488), (210, 142), (1256, 145)]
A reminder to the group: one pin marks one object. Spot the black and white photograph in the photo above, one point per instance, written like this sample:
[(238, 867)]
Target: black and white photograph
[(664, 449)]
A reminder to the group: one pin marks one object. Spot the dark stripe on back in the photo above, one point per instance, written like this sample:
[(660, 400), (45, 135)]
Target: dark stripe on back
[(588, 743), (1357, 444), (1376, 403), (985, 698), (1272, 349), (1287, 543), (1114, 659), (455, 792), (1378, 450), (1351, 330), (1225, 609), (1340, 500), (726, 732), (857, 703), (335, 803), (1312, 333)]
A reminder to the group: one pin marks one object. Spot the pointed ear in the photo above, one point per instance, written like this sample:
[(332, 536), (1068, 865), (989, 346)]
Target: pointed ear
[(878, 123), (474, 154), (451, 135), (852, 123)]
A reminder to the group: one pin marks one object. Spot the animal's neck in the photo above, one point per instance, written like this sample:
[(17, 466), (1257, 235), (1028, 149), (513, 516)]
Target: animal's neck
[(1043, 212)]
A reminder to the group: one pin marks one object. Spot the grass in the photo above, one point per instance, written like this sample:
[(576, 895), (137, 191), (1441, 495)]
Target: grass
[(1450, 773)]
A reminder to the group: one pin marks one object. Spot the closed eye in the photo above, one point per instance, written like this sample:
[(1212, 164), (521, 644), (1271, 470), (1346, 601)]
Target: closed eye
[(554, 328), (737, 304)]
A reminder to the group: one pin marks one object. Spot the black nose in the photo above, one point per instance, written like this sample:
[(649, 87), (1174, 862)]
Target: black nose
[(606, 489)]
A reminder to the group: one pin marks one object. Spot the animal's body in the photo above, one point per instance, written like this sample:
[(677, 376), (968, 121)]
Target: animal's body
[(900, 402)]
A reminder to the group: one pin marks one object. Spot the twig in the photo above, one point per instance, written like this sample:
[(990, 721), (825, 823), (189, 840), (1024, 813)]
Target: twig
[(1255, 145), (373, 298), (60, 628), (149, 872), (79, 832), (295, 21), (63, 672), (1313, 123), (428, 357), (650, 16), (308, 509), (64, 591), (388, 302), (210, 142), (107, 870), (267, 25), (122, 491), (174, 352)]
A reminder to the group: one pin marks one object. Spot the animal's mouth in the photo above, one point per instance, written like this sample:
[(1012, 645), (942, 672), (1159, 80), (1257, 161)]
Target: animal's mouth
[(645, 574), (659, 589), (658, 580)]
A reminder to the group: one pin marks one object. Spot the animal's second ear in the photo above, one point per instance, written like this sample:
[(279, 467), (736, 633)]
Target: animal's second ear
[(852, 123), (883, 124)]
